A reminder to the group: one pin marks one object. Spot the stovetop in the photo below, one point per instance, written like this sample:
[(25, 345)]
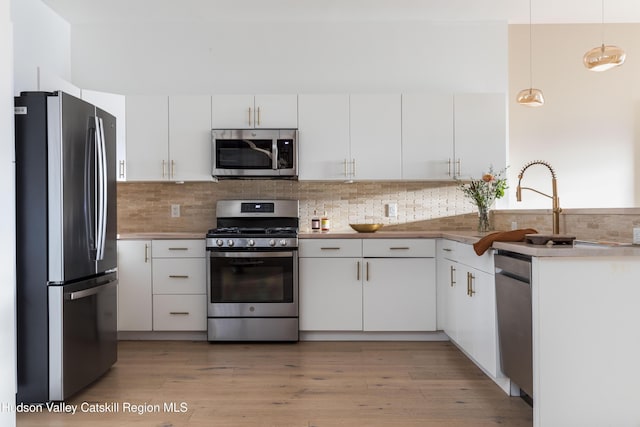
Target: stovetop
[(252, 238), (252, 231)]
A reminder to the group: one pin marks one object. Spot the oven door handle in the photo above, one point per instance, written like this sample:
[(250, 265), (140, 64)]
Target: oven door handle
[(287, 254)]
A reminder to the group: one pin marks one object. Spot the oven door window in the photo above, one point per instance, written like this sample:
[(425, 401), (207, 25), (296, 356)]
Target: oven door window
[(244, 154), (253, 279)]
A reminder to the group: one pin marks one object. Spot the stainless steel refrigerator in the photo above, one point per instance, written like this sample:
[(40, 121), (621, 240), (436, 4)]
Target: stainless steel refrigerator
[(66, 245)]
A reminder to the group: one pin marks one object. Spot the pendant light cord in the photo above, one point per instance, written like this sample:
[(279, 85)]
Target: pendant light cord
[(531, 50), (602, 24)]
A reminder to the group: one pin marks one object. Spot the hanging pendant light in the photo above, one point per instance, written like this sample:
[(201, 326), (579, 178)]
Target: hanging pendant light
[(604, 57), (530, 97)]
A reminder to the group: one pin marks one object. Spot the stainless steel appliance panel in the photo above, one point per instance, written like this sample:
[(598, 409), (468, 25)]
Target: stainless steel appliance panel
[(82, 334), (513, 302), (71, 192), (252, 329), (252, 284)]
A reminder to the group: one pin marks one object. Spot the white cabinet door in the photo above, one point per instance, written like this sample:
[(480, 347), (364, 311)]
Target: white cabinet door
[(276, 111), (480, 133), (147, 138), (427, 136), (330, 294), (134, 287), (232, 111), (376, 129), (323, 136), (115, 105), (190, 138), (482, 318), (399, 294), (447, 292), (259, 111)]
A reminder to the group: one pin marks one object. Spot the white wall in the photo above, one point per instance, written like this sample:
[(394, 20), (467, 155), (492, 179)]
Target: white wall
[(41, 39), (289, 57), (589, 127), (7, 222)]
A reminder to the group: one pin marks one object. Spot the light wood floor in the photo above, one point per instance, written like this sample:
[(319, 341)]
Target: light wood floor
[(304, 384)]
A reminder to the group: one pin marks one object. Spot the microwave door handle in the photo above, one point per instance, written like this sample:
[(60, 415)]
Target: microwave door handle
[(274, 150)]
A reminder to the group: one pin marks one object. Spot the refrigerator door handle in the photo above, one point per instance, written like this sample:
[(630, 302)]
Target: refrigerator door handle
[(102, 189), (88, 292), (89, 189)]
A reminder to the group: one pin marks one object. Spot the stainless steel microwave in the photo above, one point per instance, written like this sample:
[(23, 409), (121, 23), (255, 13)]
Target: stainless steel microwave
[(254, 153)]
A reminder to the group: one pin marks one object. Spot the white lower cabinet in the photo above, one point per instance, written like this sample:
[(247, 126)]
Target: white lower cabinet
[(134, 285), (367, 285), (161, 285), (469, 302)]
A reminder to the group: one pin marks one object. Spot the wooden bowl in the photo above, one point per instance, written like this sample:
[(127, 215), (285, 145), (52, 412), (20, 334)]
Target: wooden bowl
[(365, 228)]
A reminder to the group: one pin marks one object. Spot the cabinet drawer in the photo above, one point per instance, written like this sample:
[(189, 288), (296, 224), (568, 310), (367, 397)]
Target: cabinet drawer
[(399, 248), (330, 248), (179, 276), (192, 248), (464, 254), (179, 312)]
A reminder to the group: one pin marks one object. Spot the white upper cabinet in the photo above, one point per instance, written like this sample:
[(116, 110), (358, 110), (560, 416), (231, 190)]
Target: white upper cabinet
[(427, 136), (190, 138), (254, 111), (480, 131), (168, 138), (323, 136), (349, 137), (147, 138), (115, 105), (376, 145)]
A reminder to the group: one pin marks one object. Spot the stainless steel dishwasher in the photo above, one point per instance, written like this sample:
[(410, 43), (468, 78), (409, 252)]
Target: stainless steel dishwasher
[(513, 302)]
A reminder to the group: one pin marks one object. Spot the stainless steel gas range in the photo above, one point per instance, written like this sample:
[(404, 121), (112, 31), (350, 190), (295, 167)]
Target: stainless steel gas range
[(252, 271)]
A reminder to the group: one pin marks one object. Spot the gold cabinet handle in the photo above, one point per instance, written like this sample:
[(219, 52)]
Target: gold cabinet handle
[(173, 167), (400, 248), (367, 271), (346, 173), (121, 169), (470, 278), (178, 249), (453, 273), (353, 168), (358, 271), (249, 116), (146, 253), (330, 248), (258, 124), (178, 276), (179, 313), (163, 165), (449, 167), (459, 167)]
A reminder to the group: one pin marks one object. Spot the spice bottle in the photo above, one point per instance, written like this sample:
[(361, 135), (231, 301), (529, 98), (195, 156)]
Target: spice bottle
[(325, 224), (315, 222)]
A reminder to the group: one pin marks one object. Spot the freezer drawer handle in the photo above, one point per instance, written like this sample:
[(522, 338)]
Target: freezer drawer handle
[(88, 292)]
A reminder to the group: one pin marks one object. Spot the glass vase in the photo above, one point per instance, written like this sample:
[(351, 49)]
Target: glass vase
[(483, 219)]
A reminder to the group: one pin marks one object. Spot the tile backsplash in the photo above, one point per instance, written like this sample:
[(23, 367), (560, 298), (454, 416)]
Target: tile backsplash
[(146, 207)]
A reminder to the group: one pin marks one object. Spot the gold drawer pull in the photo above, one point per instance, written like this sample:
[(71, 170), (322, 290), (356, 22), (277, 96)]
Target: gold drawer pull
[(178, 276), (400, 248), (178, 249), (330, 249), (179, 313)]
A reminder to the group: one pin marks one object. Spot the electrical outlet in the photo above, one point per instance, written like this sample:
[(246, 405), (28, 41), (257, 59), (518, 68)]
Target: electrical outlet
[(175, 211), (392, 210)]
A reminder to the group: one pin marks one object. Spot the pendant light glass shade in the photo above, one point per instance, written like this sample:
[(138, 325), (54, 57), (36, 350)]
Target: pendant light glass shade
[(603, 58), (530, 97)]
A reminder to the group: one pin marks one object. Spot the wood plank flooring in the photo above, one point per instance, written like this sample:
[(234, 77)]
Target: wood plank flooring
[(304, 384)]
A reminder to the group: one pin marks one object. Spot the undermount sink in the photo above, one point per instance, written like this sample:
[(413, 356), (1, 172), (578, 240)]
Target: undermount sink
[(598, 244)]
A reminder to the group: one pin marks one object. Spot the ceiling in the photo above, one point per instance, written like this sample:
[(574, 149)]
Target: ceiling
[(512, 11)]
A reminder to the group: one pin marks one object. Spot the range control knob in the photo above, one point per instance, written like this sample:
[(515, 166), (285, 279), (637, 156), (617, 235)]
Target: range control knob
[(283, 242), (272, 242), (219, 242), (251, 242), (230, 243)]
